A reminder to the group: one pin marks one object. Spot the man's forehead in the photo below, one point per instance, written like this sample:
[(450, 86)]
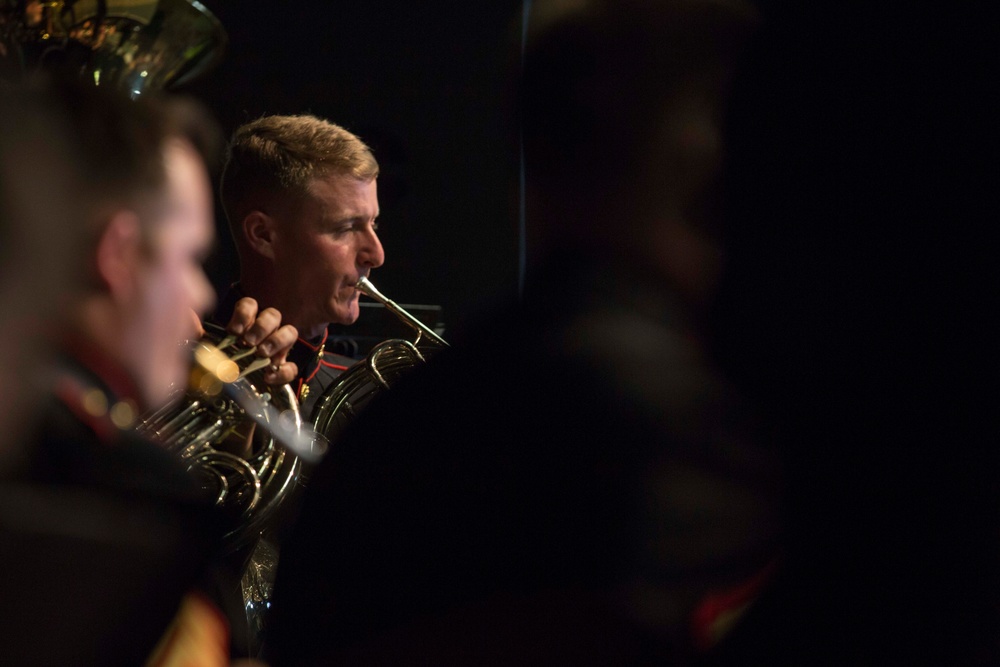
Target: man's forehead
[(337, 179), (189, 194), (340, 192)]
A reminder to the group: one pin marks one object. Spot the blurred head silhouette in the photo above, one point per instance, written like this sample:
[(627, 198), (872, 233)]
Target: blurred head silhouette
[(106, 218), (37, 187), (621, 107)]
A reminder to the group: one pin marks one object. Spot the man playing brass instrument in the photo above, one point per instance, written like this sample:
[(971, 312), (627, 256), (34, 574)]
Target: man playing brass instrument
[(301, 198), (107, 541)]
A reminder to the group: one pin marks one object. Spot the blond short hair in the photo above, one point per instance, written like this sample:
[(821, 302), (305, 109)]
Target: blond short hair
[(276, 157)]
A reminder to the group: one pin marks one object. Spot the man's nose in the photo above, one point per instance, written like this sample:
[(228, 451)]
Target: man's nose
[(371, 254)]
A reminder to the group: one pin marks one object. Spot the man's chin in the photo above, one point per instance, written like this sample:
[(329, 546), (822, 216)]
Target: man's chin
[(346, 316)]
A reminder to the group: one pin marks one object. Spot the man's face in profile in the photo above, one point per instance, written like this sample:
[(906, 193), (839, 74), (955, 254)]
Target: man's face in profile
[(322, 250), (172, 283)]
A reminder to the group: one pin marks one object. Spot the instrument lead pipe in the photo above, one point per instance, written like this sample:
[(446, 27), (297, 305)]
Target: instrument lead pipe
[(365, 287)]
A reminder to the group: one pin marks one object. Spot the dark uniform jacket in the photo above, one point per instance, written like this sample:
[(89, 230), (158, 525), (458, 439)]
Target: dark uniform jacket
[(319, 364), (102, 533)]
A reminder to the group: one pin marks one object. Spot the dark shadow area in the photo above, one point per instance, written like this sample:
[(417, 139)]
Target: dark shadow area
[(857, 308)]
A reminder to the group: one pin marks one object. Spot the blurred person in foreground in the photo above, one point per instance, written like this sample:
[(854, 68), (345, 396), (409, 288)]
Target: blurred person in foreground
[(108, 541), (35, 253), (301, 197), (574, 482)]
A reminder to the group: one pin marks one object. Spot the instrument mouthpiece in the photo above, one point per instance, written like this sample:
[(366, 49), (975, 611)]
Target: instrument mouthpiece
[(365, 287)]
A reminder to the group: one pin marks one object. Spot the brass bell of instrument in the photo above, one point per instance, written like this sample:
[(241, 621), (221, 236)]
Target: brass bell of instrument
[(134, 45)]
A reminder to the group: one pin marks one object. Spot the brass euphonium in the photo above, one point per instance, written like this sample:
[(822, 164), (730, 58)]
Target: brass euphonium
[(244, 439), (247, 442), (385, 364)]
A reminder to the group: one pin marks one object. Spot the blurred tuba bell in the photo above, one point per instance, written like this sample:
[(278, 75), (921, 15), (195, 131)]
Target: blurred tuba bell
[(134, 45)]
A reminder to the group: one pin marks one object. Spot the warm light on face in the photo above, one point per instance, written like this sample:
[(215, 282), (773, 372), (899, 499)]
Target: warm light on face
[(173, 284), (330, 243)]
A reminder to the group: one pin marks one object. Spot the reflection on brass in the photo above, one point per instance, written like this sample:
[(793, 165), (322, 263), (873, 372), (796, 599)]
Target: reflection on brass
[(212, 362), (135, 45), (95, 402), (368, 289), (123, 414), (205, 426)]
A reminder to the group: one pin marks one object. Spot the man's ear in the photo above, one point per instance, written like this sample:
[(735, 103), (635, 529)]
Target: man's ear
[(259, 232), (119, 252)]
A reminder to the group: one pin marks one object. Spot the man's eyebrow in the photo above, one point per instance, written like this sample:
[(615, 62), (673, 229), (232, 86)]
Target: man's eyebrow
[(348, 217)]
